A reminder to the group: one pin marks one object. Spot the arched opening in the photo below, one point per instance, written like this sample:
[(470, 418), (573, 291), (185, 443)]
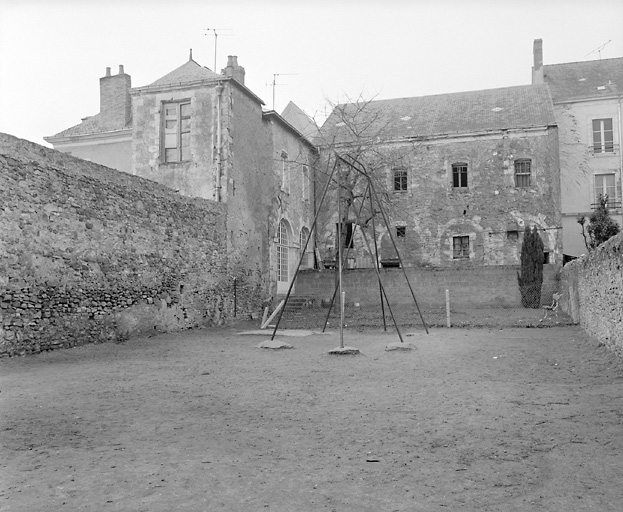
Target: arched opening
[(283, 244)]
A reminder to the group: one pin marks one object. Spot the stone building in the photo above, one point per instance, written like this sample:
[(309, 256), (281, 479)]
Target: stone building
[(206, 135), (587, 100), (459, 176)]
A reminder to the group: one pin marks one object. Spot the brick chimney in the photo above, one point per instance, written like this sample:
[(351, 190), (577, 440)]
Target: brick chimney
[(115, 100), (233, 69), (537, 68)]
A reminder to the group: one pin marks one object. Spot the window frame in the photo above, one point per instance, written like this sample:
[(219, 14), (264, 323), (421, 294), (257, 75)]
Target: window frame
[(285, 172), (305, 183), (182, 133), (461, 254), (614, 200), (523, 176), (603, 143), (401, 180), (459, 175)]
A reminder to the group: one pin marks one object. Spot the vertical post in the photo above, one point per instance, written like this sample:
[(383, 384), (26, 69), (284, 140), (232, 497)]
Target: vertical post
[(376, 259), (448, 308), (339, 252), (235, 298)]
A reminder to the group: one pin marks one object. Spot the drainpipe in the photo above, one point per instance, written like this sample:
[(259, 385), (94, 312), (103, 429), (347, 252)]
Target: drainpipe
[(620, 149), (219, 92)]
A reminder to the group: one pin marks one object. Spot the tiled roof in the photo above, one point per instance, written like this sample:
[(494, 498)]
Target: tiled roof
[(444, 114), (88, 126), (590, 79), (188, 72), (300, 120)]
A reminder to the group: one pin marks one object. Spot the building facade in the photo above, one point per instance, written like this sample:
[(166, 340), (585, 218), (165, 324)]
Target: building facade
[(459, 176), (588, 106), (206, 135)]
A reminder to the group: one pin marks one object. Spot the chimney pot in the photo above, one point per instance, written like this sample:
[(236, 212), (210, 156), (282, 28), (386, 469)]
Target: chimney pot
[(107, 71), (121, 72), (537, 68)]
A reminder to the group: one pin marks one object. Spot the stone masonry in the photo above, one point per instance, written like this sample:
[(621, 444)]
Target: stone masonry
[(89, 254)]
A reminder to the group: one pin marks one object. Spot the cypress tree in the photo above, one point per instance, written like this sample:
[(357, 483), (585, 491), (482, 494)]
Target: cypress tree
[(531, 278)]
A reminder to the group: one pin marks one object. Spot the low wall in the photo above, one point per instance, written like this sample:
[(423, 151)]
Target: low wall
[(592, 289), (491, 286), (90, 254)]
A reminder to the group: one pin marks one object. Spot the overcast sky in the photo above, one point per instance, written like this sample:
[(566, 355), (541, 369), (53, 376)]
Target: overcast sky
[(53, 52)]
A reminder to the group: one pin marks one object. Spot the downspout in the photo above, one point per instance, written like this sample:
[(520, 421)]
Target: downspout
[(219, 92), (620, 148)]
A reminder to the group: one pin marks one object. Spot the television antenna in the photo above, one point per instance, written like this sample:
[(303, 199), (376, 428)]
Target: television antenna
[(274, 83), (216, 34), (598, 50)]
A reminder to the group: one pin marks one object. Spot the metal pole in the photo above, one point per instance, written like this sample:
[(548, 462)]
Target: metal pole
[(391, 236), (388, 230), (448, 308), (376, 260), (339, 252), (324, 193)]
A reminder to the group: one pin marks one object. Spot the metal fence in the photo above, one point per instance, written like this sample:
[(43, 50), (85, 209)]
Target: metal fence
[(303, 312)]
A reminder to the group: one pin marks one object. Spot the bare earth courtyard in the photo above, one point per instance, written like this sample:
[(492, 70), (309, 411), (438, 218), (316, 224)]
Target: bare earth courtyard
[(475, 419)]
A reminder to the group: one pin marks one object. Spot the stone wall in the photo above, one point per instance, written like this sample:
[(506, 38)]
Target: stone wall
[(484, 287), (592, 289), (492, 211), (89, 254)]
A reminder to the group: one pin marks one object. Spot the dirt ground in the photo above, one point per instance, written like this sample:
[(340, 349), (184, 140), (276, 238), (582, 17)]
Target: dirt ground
[(473, 419)]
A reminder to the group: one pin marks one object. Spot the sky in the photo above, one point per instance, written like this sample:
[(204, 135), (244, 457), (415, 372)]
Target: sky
[(53, 52)]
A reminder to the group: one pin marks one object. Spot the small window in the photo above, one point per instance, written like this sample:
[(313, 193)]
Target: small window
[(400, 181), (305, 183), (460, 247), (523, 172), (176, 119), (513, 236), (545, 258), (603, 140), (285, 172), (459, 175), (401, 231)]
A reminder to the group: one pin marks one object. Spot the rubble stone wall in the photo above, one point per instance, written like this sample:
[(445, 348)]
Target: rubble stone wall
[(89, 254), (592, 289), (470, 287)]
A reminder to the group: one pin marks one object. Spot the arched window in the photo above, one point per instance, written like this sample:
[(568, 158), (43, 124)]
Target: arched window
[(282, 252)]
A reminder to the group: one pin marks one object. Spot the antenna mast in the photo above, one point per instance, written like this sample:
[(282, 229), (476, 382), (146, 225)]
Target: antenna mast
[(598, 50), (274, 83), (214, 30)]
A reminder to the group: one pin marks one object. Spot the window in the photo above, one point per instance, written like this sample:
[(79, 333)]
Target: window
[(401, 231), (460, 247), (603, 141), (282, 252), (522, 172), (400, 181), (347, 234), (605, 186), (176, 132), (305, 183), (459, 175), (285, 172), (303, 238)]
